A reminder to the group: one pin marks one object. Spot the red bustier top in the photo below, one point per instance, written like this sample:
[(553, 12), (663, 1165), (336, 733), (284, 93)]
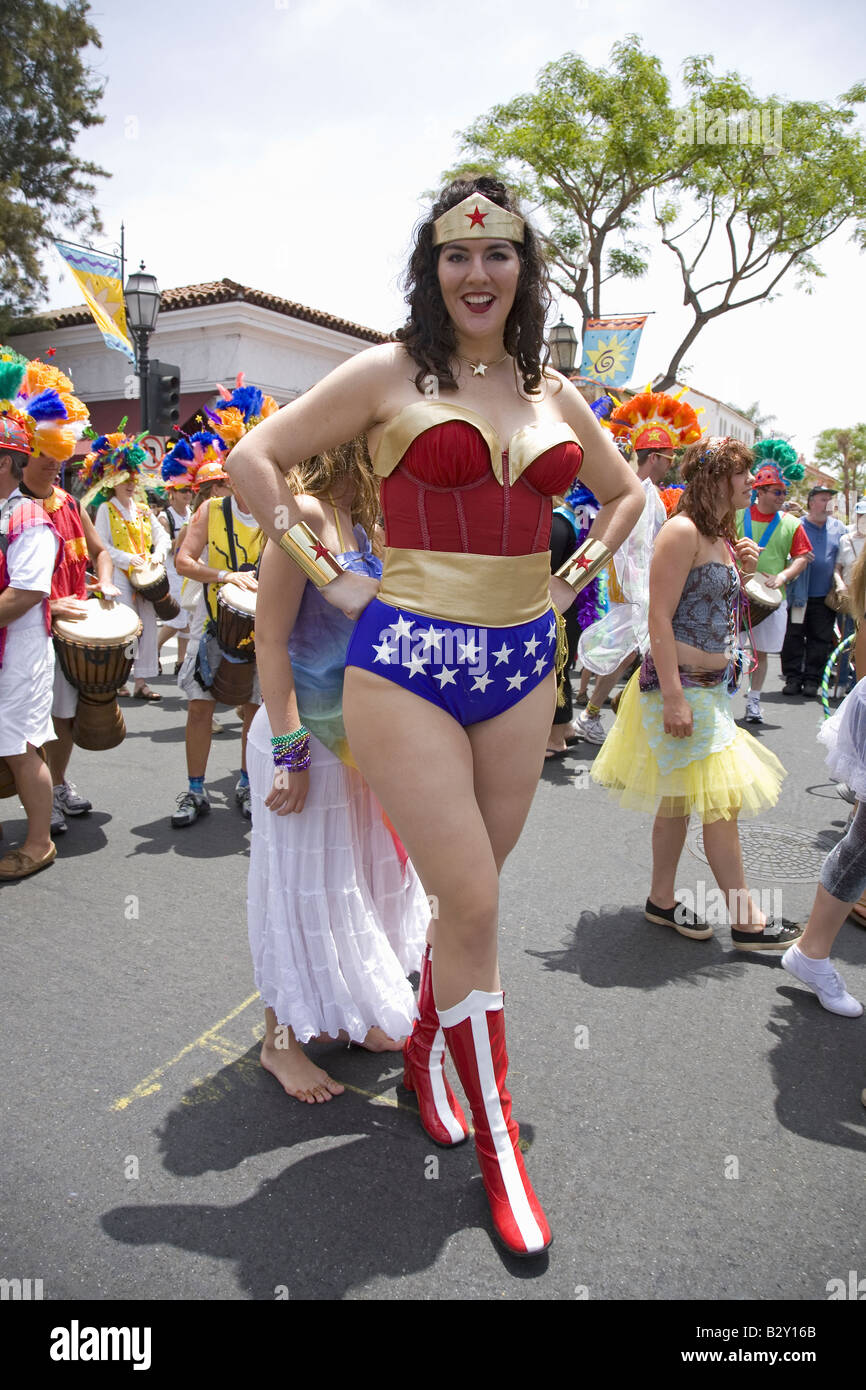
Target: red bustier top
[(448, 484)]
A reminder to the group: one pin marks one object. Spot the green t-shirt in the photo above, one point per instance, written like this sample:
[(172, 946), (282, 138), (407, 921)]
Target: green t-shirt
[(774, 555)]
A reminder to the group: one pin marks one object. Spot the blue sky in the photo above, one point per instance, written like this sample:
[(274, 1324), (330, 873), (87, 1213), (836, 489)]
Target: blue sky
[(287, 144)]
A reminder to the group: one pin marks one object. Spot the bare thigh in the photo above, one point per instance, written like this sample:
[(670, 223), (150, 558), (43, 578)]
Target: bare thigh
[(508, 755)]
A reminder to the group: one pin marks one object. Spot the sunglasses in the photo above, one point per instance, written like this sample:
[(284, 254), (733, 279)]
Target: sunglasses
[(773, 491)]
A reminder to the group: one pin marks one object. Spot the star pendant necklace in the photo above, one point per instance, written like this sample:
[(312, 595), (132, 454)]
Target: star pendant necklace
[(481, 368)]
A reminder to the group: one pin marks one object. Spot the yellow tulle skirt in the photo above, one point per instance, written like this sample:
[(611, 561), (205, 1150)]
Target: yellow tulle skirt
[(719, 772)]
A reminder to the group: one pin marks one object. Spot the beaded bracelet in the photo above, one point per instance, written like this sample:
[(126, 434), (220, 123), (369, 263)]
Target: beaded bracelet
[(283, 741), (295, 759)]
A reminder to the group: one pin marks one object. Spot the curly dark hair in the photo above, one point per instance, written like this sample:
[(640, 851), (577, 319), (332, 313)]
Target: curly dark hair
[(703, 467), (429, 336)]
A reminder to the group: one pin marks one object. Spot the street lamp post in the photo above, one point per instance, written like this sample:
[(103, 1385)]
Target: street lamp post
[(563, 346), (142, 310)]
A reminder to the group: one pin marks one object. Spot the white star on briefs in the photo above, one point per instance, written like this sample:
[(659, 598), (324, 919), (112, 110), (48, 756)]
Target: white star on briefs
[(414, 665), (551, 632), (401, 628), (539, 666), (384, 652), (515, 682), (431, 637), (482, 682), (503, 654), (445, 677), (530, 646), (468, 651)]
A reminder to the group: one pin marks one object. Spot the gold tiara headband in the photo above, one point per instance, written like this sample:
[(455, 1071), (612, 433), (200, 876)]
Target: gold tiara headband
[(474, 218)]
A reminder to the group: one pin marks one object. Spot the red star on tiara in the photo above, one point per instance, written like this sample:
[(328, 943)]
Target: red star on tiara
[(476, 218)]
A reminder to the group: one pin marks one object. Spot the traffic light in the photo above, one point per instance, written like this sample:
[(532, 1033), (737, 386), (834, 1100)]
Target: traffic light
[(163, 397)]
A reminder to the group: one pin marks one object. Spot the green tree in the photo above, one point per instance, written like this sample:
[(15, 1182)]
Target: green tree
[(843, 452), (600, 151), (761, 422), (47, 96)]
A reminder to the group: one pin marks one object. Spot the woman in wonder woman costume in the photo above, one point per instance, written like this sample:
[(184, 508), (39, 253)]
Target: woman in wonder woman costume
[(450, 683)]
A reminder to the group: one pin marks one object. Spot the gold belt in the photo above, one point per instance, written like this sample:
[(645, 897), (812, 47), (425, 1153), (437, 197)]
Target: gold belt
[(482, 590)]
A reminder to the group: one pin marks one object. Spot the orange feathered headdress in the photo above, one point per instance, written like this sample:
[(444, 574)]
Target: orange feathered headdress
[(654, 420), (39, 399)]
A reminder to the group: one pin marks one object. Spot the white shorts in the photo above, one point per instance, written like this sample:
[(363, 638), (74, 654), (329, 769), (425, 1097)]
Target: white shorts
[(26, 691), (769, 635), (65, 695)]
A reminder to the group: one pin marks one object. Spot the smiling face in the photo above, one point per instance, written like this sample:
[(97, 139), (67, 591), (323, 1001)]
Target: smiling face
[(771, 499), (478, 280)]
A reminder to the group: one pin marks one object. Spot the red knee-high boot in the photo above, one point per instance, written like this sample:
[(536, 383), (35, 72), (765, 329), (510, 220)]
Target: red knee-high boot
[(423, 1056), (475, 1033)]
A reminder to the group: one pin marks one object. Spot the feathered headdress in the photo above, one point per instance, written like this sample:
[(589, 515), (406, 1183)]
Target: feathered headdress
[(194, 460), (113, 459), (38, 402), (239, 411), (776, 463), (602, 408), (654, 420)]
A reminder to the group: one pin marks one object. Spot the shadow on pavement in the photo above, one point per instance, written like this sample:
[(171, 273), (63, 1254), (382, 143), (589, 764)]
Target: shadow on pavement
[(618, 946), (362, 1205), (819, 1069)]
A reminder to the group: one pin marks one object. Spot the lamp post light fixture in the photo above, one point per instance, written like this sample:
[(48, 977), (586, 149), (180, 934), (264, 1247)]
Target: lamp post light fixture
[(142, 310), (563, 346)]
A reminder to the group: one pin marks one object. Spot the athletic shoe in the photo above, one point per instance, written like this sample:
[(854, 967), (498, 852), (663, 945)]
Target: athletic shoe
[(190, 805), (810, 690), (828, 985), (792, 686), (67, 800), (680, 917), (591, 728), (58, 821), (775, 936), (243, 799), (753, 710)]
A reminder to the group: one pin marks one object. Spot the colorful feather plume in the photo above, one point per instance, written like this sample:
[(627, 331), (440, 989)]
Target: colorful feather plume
[(40, 398)]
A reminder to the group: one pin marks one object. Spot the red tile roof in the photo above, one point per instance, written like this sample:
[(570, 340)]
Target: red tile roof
[(223, 292)]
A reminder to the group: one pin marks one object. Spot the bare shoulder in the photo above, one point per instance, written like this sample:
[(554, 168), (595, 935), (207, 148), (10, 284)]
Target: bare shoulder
[(678, 533), (564, 397)]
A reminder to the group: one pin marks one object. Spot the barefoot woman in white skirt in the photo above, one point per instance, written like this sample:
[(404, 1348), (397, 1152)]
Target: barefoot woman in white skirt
[(337, 916)]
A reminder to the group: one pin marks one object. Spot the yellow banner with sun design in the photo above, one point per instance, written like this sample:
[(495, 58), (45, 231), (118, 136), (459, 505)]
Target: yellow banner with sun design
[(98, 276), (609, 349)]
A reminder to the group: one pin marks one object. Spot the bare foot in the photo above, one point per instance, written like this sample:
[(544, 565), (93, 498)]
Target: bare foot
[(378, 1041), (298, 1076)]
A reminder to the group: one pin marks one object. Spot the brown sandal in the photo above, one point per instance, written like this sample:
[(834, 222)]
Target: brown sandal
[(16, 864)]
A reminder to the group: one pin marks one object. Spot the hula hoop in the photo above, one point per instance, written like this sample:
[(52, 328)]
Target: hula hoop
[(824, 690)]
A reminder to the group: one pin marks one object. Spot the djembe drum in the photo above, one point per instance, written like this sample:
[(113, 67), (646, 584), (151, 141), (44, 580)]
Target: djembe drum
[(96, 655), (236, 618), (151, 582), (762, 599)]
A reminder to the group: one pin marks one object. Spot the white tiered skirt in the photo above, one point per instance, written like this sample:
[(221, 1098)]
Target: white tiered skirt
[(336, 922)]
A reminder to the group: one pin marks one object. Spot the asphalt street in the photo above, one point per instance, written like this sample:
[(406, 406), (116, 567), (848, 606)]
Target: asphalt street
[(692, 1116)]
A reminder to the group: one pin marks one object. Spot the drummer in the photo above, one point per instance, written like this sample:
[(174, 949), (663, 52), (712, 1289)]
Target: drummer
[(81, 544), (132, 535), (221, 545), (785, 551), (175, 517)]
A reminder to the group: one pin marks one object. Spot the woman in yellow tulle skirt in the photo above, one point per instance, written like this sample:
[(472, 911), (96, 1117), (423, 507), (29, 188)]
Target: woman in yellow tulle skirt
[(674, 748)]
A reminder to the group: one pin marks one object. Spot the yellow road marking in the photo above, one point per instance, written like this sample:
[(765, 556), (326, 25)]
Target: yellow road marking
[(231, 1053)]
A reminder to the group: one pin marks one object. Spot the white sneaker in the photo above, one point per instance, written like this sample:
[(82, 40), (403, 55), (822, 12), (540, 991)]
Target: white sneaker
[(58, 820), (828, 985), (68, 802), (753, 710), (243, 798), (591, 728)]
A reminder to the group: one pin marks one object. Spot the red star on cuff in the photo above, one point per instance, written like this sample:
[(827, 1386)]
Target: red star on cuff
[(322, 551), (582, 562), (476, 218)]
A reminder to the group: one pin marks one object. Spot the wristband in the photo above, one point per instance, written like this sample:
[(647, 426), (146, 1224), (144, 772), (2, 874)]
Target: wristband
[(586, 562), (307, 551), (222, 576)]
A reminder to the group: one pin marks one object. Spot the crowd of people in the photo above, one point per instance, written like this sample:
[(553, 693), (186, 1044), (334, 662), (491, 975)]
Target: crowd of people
[(409, 556)]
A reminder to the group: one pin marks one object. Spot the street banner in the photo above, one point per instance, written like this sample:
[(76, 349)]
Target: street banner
[(98, 275), (609, 349)]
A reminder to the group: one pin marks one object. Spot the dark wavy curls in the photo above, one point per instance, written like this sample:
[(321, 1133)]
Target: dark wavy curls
[(705, 467), (429, 336)]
